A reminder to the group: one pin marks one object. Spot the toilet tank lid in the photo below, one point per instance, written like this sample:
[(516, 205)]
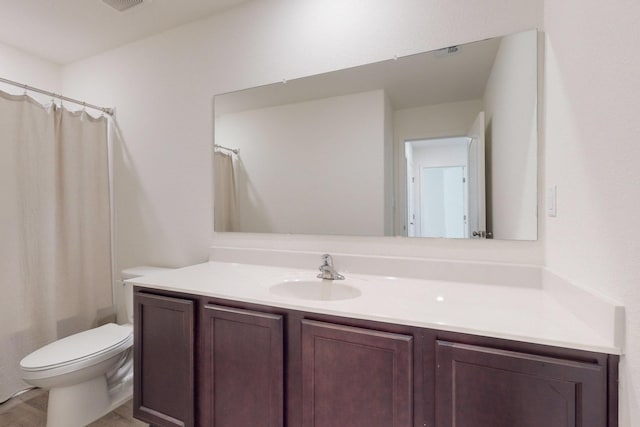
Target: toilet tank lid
[(143, 270)]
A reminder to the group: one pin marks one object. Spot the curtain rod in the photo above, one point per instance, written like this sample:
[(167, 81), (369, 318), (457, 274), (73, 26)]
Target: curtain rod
[(106, 110), (233, 150)]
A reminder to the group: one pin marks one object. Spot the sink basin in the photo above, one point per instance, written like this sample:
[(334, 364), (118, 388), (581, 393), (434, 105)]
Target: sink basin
[(315, 289)]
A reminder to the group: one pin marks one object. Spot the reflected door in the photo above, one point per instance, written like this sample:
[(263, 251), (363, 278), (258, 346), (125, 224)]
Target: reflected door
[(442, 198), (477, 200), (411, 191)]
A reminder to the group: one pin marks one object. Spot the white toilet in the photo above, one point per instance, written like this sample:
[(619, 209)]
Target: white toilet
[(90, 373)]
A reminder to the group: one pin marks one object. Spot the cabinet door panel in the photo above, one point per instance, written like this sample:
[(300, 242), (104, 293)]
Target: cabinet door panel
[(164, 360), (355, 377), (242, 362), (485, 387)]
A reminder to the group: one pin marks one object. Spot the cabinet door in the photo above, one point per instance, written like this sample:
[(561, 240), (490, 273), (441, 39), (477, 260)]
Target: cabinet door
[(485, 387), (242, 365), (163, 360), (355, 377)]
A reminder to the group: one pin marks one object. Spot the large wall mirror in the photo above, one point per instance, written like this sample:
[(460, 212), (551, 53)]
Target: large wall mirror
[(438, 144)]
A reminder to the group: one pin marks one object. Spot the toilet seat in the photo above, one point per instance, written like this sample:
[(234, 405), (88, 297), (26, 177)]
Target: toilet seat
[(77, 351)]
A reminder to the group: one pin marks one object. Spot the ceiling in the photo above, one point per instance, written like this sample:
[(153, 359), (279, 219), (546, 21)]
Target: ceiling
[(65, 31), (428, 78)]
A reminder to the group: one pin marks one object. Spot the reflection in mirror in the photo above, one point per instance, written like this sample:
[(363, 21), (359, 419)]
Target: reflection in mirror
[(443, 202), (439, 144), (446, 185)]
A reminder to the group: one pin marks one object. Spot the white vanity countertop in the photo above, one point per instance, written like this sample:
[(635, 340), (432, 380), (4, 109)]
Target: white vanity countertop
[(510, 312)]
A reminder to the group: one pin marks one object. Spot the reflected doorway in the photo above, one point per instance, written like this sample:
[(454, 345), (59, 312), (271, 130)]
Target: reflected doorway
[(437, 187), (446, 186)]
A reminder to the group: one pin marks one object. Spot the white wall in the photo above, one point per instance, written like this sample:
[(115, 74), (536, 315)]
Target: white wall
[(30, 70), (314, 167), (592, 149), (162, 88), (435, 121), (389, 196), (511, 138), (451, 153), (430, 121)]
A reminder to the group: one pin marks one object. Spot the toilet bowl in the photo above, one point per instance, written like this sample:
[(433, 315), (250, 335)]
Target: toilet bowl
[(90, 373)]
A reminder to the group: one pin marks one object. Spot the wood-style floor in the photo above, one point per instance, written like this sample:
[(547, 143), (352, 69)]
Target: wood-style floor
[(30, 410)]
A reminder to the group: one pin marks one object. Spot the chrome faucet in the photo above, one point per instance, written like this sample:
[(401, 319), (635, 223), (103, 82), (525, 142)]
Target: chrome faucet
[(327, 271)]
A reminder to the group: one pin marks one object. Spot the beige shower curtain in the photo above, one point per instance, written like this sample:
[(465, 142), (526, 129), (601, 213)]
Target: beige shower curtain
[(55, 253), (224, 207)]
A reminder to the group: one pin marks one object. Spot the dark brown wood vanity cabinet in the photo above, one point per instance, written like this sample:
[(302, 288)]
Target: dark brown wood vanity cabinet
[(355, 377), (164, 333), (241, 368), (200, 364), (217, 363), (479, 386)]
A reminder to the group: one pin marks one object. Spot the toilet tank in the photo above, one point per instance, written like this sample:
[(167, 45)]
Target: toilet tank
[(132, 273)]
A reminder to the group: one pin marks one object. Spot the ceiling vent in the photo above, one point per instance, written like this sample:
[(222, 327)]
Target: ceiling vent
[(448, 51), (122, 5)]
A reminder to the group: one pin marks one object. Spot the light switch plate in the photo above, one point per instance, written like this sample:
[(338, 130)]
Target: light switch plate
[(552, 210)]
